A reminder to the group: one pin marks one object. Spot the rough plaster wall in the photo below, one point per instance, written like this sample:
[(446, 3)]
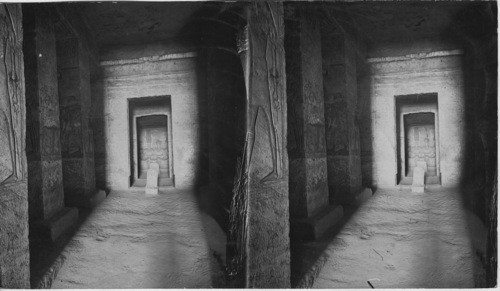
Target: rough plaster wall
[(174, 77), (439, 74), (14, 249)]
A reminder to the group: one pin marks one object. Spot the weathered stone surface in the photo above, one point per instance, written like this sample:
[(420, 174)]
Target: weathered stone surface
[(151, 139), (44, 158), (261, 192), (308, 180), (342, 132), (424, 236), (418, 180), (14, 249), (314, 227), (76, 134), (137, 241), (176, 78), (49, 218), (440, 74), (57, 224), (152, 179)]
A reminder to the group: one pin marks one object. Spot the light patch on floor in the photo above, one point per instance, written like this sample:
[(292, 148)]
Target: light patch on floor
[(400, 239), (135, 241)]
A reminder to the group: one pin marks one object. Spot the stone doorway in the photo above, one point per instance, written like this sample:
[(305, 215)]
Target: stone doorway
[(420, 142), (151, 139), (418, 131), (153, 146)]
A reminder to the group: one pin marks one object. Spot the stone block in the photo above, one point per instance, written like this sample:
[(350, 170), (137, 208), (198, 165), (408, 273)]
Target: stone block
[(97, 198), (152, 179), (422, 165), (355, 198), (315, 227), (62, 221), (418, 180)]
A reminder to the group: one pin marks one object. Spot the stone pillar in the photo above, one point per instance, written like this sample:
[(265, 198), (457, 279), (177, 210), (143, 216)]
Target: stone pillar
[(46, 197), (77, 142), (14, 245), (259, 212), (310, 210), (342, 129)]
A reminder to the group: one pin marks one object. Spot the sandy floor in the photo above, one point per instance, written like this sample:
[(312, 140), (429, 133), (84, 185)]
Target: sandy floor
[(134, 241), (400, 239)]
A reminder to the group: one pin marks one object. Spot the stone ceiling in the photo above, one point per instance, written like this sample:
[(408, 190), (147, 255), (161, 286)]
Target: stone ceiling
[(142, 22), (387, 20), (136, 22)]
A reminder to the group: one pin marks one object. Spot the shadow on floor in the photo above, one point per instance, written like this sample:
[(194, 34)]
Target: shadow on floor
[(308, 257)]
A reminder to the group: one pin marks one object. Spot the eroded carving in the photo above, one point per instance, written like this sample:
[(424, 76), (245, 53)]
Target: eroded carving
[(11, 98), (265, 28), (6, 158), (71, 127)]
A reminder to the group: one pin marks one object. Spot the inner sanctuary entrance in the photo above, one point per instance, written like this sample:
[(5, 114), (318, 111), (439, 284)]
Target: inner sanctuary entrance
[(151, 139), (153, 145), (418, 142)]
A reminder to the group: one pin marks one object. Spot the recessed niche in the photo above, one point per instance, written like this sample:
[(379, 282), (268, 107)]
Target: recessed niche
[(150, 121)]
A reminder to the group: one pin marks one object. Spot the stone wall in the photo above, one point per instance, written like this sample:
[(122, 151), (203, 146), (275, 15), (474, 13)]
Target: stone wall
[(437, 72), (14, 249), (171, 75)]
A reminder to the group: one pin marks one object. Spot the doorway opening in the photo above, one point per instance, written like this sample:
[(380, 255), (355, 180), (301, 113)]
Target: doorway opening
[(151, 139), (418, 137)]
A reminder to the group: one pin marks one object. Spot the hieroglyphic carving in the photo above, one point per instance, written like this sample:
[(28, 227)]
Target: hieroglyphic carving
[(71, 127), (11, 98), (337, 142), (50, 142)]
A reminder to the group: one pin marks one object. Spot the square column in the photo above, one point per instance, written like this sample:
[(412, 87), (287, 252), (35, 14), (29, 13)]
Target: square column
[(259, 222), (43, 147), (342, 129), (310, 210), (77, 141)]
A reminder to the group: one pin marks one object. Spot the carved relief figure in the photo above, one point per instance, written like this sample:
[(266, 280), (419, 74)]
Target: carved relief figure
[(268, 103), (6, 158), (10, 97)]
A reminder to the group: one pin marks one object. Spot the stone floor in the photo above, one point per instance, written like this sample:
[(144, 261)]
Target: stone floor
[(135, 241), (400, 239)]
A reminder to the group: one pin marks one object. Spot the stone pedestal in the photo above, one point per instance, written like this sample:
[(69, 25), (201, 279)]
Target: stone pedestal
[(418, 184), (342, 129), (259, 220), (77, 140), (152, 179), (310, 210), (43, 147)]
